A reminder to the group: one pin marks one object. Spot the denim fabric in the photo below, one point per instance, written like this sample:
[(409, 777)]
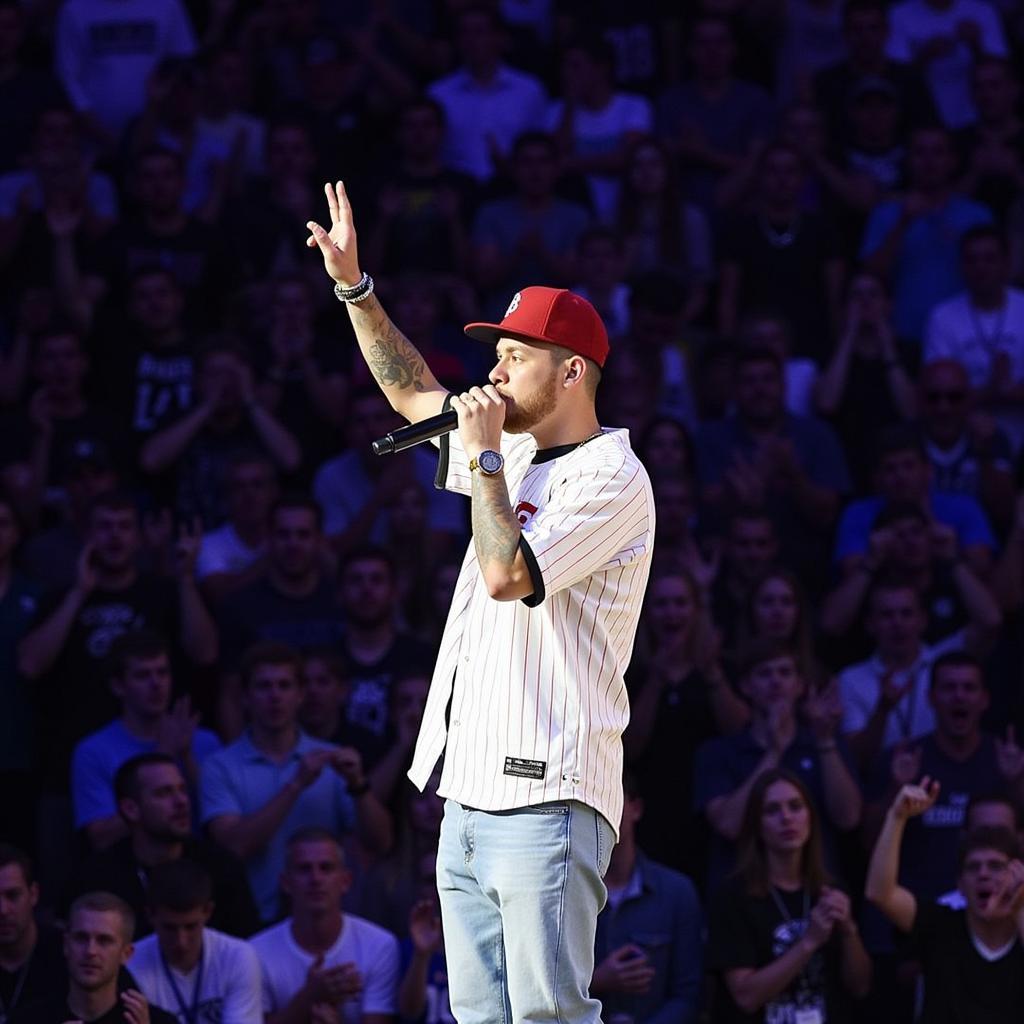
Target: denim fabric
[(520, 893)]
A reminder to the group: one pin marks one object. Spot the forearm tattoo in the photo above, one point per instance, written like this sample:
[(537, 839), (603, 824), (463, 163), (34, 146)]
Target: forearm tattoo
[(391, 357), (496, 530)]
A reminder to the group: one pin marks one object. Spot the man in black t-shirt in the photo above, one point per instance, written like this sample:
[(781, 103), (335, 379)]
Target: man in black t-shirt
[(97, 944), (292, 603), (153, 800), (31, 961), (74, 631), (376, 652), (972, 960)]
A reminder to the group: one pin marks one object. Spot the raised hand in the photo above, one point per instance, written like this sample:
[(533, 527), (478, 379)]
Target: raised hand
[(1009, 756), (912, 801), (1008, 898), (425, 927), (781, 726), (338, 246)]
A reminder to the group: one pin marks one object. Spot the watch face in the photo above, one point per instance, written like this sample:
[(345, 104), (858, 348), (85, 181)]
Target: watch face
[(490, 462)]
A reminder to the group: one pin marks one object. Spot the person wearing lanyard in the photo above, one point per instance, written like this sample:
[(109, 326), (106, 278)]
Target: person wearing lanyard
[(199, 974), (31, 961), (781, 936)]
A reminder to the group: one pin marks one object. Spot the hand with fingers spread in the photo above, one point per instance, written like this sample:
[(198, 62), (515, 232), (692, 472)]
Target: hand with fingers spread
[(906, 764), (481, 413), (338, 245), (1010, 756), (912, 801)]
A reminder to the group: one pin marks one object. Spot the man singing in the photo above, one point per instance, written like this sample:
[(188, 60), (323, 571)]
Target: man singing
[(527, 700)]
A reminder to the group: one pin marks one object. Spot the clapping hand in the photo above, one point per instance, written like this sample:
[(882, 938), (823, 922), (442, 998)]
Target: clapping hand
[(333, 984), (823, 709)]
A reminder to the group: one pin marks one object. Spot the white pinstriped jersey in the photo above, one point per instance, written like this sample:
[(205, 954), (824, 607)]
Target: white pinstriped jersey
[(536, 693)]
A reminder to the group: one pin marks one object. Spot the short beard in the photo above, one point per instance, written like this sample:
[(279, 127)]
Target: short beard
[(522, 417)]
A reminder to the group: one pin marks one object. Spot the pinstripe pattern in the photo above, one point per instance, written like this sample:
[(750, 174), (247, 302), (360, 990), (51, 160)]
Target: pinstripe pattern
[(545, 683)]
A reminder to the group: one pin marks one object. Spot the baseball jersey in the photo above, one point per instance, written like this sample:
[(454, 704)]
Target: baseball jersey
[(527, 699)]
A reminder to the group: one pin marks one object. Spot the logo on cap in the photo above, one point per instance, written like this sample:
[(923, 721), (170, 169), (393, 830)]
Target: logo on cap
[(514, 304)]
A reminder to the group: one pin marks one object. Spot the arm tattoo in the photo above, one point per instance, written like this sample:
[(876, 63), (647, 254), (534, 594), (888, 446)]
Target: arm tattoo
[(391, 357), (496, 530)]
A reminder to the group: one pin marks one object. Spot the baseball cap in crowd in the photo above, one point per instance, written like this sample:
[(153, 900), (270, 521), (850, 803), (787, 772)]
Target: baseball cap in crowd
[(556, 316)]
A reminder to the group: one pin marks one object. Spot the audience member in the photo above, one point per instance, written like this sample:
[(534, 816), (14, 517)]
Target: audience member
[(356, 488), (97, 945), (912, 241), (31, 960), (648, 947), (968, 451), (153, 801), (234, 554), (140, 677), (982, 328), (487, 104), (320, 960), (783, 937), (972, 960), (944, 38), (198, 973), (275, 779), (961, 759), (728, 767)]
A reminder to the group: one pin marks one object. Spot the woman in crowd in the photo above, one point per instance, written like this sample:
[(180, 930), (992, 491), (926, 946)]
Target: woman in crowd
[(680, 698), (782, 938)]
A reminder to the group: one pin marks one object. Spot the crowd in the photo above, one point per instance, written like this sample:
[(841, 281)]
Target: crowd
[(802, 222)]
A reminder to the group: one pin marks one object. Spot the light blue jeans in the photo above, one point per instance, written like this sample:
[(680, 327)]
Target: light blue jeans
[(520, 893)]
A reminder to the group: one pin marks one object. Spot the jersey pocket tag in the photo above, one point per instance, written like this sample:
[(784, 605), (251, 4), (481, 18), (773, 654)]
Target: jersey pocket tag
[(524, 769)]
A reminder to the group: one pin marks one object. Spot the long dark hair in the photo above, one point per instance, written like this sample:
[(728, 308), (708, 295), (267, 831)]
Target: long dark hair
[(672, 248), (752, 860)]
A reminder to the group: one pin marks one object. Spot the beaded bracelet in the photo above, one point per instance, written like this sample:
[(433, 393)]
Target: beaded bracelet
[(357, 292)]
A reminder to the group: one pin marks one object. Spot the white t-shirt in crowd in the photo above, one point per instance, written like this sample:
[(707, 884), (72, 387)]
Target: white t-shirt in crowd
[(596, 132), (861, 684), (106, 51), (230, 983), (914, 23), (973, 338), (372, 949)]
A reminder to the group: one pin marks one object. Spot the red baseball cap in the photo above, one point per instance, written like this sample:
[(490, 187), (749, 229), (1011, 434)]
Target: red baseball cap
[(556, 316)]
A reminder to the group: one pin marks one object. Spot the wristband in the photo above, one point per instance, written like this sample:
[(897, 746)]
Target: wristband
[(359, 291)]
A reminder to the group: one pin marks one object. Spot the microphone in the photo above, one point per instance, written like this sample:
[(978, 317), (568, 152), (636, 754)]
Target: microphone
[(416, 433)]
